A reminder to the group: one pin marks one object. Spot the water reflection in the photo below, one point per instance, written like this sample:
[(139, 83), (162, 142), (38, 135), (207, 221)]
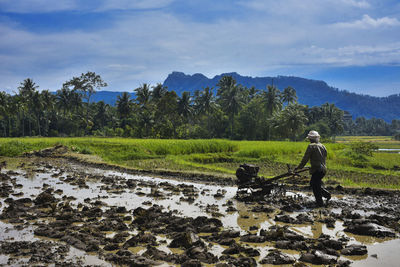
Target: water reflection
[(210, 200)]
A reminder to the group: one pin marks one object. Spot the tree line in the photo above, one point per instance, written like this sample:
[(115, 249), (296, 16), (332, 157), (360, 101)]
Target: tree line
[(228, 111)]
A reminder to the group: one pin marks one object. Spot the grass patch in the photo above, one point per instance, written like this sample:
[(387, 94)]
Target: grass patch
[(380, 169)]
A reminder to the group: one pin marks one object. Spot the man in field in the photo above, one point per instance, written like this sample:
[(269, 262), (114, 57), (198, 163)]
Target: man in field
[(316, 153)]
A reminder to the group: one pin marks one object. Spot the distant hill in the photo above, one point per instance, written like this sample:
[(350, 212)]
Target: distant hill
[(109, 97), (309, 92)]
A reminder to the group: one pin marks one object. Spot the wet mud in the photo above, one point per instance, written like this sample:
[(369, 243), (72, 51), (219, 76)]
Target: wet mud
[(58, 212)]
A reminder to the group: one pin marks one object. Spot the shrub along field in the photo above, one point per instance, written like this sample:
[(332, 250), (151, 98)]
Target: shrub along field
[(352, 161)]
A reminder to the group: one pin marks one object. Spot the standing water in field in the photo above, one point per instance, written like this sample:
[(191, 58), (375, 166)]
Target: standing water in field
[(55, 211)]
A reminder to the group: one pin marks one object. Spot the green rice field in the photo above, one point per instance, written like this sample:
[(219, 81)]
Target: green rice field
[(222, 157)]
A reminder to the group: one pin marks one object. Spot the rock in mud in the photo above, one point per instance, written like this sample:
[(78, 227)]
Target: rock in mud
[(364, 227), (40, 253), (276, 232), (207, 225), (225, 238), (141, 239), (201, 254), (252, 238), (318, 257), (241, 261), (5, 190), (263, 208), (45, 198), (48, 152), (284, 218), (232, 250), (51, 232), (185, 240), (115, 224), (333, 244), (126, 257), (277, 257), (111, 247), (292, 207), (192, 263), (294, 245), (73, 241), (159, 255), (354, 249)]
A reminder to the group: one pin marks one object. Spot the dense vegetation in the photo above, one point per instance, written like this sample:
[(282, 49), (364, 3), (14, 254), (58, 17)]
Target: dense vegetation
[(229, 111), (310, 92), (353, 164)]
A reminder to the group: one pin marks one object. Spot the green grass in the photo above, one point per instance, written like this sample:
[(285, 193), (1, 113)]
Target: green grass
[(223, 156)]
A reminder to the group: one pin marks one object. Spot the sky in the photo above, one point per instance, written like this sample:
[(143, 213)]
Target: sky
[(352, 45)]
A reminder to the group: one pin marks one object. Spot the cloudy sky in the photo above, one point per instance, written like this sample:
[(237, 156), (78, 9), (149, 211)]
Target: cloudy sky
[(353, 45)]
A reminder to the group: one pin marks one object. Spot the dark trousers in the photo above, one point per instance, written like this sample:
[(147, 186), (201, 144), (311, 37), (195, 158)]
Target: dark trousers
[(317, 188)]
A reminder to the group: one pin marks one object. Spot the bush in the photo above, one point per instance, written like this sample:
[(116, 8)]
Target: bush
[(119, 132), (360, 151), (53, 133), (12, 148), (397, 137)]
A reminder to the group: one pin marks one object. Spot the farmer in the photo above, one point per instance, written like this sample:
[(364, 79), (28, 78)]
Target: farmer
[(316, 154)]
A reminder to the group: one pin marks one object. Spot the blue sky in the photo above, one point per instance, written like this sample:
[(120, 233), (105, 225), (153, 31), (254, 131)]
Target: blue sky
[(353, 45)]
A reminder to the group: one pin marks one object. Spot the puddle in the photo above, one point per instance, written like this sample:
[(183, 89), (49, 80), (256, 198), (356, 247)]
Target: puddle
[(79, 185)]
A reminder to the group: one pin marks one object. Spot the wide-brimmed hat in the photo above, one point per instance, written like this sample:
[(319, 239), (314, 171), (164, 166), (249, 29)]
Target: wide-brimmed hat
[(313, 135)]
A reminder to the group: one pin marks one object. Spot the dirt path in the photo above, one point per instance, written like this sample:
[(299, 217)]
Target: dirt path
[(58, 212)]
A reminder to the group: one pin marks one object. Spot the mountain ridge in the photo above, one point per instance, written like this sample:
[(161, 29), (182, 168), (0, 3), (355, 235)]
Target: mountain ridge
[(310, 92)]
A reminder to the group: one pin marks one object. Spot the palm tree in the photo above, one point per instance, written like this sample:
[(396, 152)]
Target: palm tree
[(231, 98), (4, 103), (63, 99), (272, 105), (102, 114), (158, 92), (48, 106), (292, 121), (252, 93), (185, 108), (334, 117), (37, 108), (272, 100), (124, 107), (27, 88), (205, 101), (143, 95), (26, 91), (288, 95), (204, 105)]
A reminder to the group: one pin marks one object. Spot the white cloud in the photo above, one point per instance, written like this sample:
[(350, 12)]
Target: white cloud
[(139, 47), (355, 3), (368, 22), (355, 55)]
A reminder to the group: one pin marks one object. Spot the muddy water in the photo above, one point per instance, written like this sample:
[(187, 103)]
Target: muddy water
[(185, 199)]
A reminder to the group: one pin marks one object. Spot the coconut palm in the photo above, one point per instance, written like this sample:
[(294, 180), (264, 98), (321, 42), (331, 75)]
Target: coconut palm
[(230, 98), (288, 95), (158, 92), (334, 117), (4, 111), (291, 121), (143, 95), (185, 108), (124, 107), (272, 100)]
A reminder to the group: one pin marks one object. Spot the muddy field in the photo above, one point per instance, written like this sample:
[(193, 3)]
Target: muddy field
[(55, 212)]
